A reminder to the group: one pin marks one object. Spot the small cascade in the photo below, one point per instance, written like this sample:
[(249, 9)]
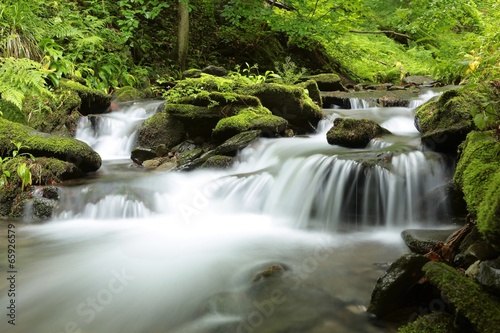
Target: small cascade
[(113, 135), (360, 190), (358, 103)]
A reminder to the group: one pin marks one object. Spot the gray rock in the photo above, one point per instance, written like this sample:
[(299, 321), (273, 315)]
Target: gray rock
[(488, 275), (391, 289), (232, 145), (215, 70), (421, 241), (142, 154), (354, 133)]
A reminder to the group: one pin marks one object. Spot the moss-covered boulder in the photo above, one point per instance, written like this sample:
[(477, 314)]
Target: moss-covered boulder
[(445, 121), (11, 112), (468, 299), (92, 101), (478, 175), (354, 133), (252, 118), (160, 130), (327, 82), (288, 102), (45, 145)]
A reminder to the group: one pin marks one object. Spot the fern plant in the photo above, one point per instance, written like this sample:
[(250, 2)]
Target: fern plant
[(288, 71), (21, 77)]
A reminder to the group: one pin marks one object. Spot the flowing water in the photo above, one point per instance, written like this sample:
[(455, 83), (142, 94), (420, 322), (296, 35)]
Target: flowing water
[(143, 251)]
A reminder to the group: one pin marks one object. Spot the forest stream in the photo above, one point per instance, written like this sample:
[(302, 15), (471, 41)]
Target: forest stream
[(290, 239)]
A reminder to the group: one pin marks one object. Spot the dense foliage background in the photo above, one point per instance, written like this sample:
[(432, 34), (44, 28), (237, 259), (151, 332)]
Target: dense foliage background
[(107, 44)]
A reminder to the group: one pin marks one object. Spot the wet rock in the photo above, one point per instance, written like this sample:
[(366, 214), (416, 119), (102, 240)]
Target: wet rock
[(419, 80), (167, 165), (274, 270), (142, 154), (152, 164), (160, 129), (466, 296), (188, 156), (219, 162), (43, 208), (232, 145), (50, 192), (392, 290), (354, 133), (421, 241), (488, 275)]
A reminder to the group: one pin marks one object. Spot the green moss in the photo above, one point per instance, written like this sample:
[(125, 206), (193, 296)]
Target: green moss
[(128, 93), (50, 170), (251, 118), (440, 322), (313, 91), (216, 98), (45, 145), (11, 112), (488, 219), (478, 162), (450, 110), (467, 297)]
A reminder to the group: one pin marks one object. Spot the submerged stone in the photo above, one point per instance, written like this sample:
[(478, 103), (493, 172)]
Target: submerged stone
[(219, 162)]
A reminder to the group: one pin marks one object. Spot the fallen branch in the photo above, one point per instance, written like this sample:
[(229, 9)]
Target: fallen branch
[(279, 4)]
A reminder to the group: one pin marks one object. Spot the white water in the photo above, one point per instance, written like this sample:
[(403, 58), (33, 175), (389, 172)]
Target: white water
[(177, 252)]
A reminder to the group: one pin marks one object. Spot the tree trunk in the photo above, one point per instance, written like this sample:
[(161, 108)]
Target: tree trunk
[(183, 33)]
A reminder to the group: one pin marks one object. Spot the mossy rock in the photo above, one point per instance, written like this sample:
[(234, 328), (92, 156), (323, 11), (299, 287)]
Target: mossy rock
[(437, 322), (232, 145), (446, 120), (215, 70), (312, 88), (47, 170), (160, 129), (252, 118), (46, 145), (93, 101), (478, 175), (219, 162), (288, 102), (468, 299), (188, 156), (11, 112), (125, 94), (327, 82), (191, 73), (488, 218), (354, 133), (8, 194), (60, 116)]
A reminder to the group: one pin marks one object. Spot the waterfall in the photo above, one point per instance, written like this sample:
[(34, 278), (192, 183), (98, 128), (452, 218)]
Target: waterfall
[(113, 134), (358, 103)]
